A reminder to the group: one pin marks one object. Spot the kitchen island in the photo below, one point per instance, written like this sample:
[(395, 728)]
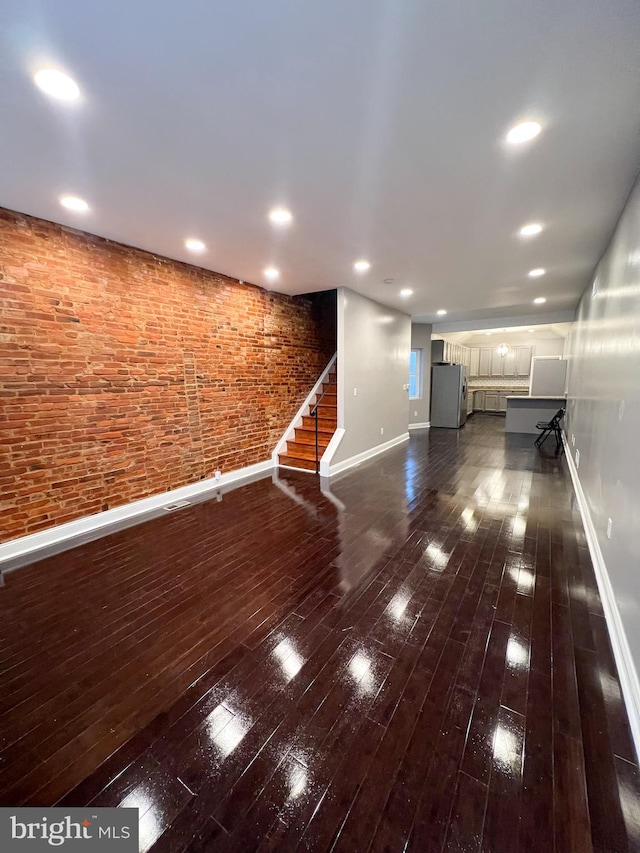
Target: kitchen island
[(523, 413)]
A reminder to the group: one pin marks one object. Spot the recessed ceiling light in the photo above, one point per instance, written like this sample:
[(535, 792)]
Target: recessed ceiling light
[(272, 273), (536, 273), (406, 291), (539, 300), (194, 245), (361, 266), (532, 330), (523, 132), (441, 312), (530, 230), (72, 202), (57, 84), (280, 216), (488, 333)]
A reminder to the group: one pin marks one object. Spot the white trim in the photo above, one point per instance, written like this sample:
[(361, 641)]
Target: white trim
[(19, 552), (426, 425), (329, 453), (352, 461), (619, 643), (304, 409)]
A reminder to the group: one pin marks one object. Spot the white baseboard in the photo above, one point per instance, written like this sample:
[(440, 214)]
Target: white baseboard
[(26, 549), (426, 425), (619, 643), (352, 461), (293, 468)]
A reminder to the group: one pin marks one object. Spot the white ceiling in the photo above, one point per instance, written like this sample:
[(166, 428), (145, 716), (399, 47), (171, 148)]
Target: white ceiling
[(379, 123)]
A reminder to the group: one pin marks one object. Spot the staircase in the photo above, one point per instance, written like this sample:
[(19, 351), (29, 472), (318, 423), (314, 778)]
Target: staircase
[(301, 452)]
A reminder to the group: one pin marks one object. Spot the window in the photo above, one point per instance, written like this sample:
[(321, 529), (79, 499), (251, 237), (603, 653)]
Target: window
[(415, 374)]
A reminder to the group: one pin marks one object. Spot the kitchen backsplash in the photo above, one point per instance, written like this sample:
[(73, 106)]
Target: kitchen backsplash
[(498, 382)]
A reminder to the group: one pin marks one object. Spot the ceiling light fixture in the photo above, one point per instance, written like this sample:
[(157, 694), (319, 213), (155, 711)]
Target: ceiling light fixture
[(406, 291), (536, 273), (502, 350), (272, 273), (72, 202), (441, 312), (523, 132), (531, 330), (280, 216), (194, 245), (539, 300), (488, 333), (57, 84), (530, 230), (362, 266)]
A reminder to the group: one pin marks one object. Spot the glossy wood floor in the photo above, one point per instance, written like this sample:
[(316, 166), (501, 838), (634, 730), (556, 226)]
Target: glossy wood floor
[(418, 661)]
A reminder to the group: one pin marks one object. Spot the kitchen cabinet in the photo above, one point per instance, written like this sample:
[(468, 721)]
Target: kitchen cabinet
[(469, 402), (438, 351), (497, 363), (484, 361), (492, 401), (523, 361), (474, 358), (447, 351), (509, 362)]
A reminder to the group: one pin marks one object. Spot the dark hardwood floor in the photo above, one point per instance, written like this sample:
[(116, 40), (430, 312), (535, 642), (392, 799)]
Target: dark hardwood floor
[(418, 661)]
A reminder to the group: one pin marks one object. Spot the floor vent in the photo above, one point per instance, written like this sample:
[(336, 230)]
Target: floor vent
[(176, 505)]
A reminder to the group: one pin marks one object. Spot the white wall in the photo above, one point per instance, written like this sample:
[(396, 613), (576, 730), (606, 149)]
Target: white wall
[(374, 343), (604, 416), (421, 339)]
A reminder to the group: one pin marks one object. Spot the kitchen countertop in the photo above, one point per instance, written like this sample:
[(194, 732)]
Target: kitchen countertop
[(520, 397)]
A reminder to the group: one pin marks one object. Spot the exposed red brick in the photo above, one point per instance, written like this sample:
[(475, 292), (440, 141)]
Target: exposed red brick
[(124, 375)]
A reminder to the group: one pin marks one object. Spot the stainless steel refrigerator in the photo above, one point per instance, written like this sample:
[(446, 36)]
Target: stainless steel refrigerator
[(448, 395)]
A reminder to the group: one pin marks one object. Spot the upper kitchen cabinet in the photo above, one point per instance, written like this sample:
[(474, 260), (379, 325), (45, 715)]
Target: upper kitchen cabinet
[(509, 363), (484, 361), (517, 362), (474, 362), (523, 361), (497, 363)]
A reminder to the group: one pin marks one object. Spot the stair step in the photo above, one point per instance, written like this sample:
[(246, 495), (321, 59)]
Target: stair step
[(293, 462), (308, 436), (326, 410), (324, 424), (301, 450)]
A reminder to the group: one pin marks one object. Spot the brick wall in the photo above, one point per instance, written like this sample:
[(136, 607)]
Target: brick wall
[(124, 374)]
